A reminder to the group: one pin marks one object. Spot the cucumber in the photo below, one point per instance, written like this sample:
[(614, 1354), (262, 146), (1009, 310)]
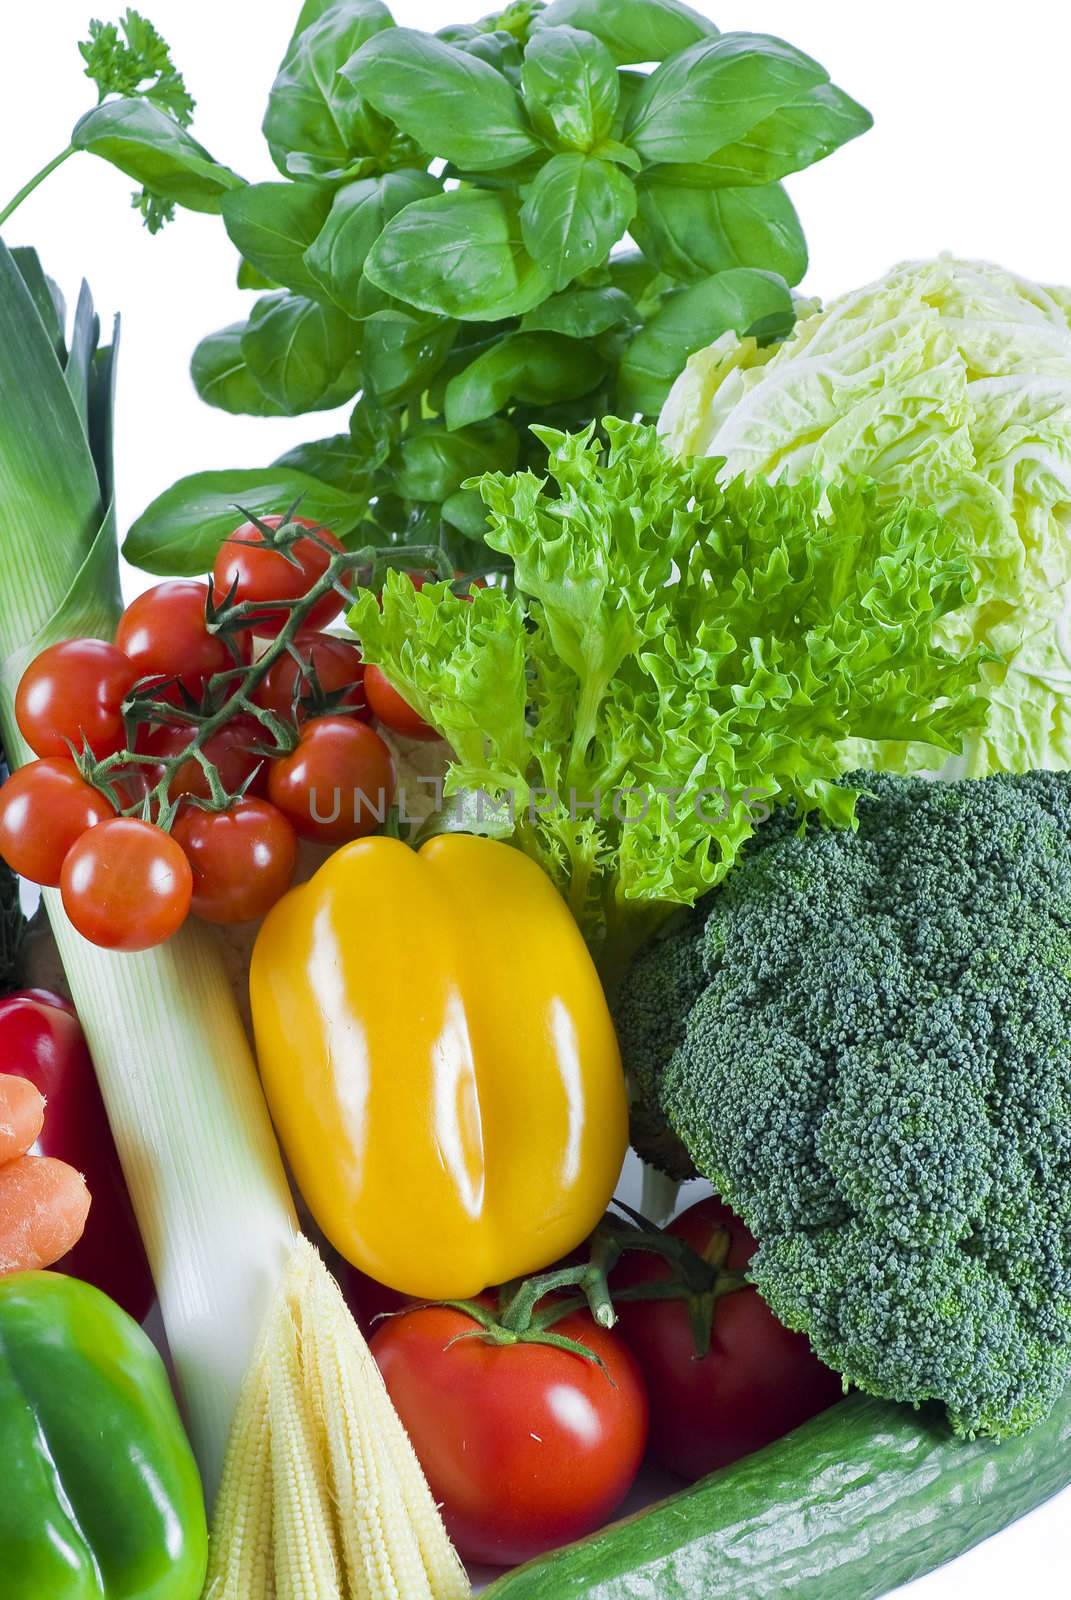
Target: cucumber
[(856, 1502)]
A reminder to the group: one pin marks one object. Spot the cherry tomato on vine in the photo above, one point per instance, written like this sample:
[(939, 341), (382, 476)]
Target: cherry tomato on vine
[(44, 808), (72, 692), (231, 750), (126, 885), (338, 669), (165, 633), (394, 712), (756, 1382), (337, 784), (243, 859), (248, 569), (525, 1446)]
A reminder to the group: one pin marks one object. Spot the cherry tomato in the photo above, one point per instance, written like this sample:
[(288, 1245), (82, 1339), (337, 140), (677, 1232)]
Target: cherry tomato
[(73, 692), (391, 709), (126, 885), (337, 784), (165, 633), (525, 1446), (230, 749), (247, 569), (243, 859), (43, 1042), (338, 669), (44, 808), (756, 1382)]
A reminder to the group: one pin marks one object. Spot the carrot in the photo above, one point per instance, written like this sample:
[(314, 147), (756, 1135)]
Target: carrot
[(43, 1208), (22, 1116)]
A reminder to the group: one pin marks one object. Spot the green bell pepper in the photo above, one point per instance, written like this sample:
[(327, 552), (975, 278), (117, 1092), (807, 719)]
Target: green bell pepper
[(100, 1497)]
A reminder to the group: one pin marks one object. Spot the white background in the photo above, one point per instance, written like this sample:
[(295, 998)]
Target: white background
[(969, 153)]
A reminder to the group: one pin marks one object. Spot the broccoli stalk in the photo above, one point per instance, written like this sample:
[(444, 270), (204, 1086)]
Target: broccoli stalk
[(863, 1039)]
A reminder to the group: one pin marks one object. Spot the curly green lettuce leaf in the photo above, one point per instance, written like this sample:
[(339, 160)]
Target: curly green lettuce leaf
[(677, 656)]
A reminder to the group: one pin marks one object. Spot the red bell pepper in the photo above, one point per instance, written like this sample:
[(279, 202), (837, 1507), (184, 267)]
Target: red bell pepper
[(40, 1039)]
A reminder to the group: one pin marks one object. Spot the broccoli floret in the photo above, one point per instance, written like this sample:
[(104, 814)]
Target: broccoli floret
[(863, 1039)]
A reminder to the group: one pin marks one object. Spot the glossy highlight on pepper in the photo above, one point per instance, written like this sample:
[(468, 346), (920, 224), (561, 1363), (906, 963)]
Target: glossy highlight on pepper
[(440, 1062)]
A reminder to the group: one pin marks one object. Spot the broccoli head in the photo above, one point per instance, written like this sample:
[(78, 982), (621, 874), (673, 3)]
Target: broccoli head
[(863, 1039)]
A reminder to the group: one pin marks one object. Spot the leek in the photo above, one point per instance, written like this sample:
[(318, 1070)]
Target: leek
[(174, 1063), (323, 1496)]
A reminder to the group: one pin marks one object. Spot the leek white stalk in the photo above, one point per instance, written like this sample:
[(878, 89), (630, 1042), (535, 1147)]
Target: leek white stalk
[(198, 1152)]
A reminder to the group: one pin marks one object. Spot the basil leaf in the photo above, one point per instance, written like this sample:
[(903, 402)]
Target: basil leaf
[(373, 431), (311, 12), (358, 215), (582, 313), (150, 147), (316, 122), (632, 30), (335, 461), (449, 101), (633, 273), (795, 136), (465, 511), (736, 300), (250, 277), (303, 354), (460, 255), (180, 533), (434, 461), (692, 233), (499, 49), (715, 93), (570, 87), (222, 377), (273, 225), (574, 213), (403, 349), (536, 368)]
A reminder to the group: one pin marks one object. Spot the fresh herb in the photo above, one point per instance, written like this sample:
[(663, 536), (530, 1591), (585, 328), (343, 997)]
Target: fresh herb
[(143, 108), (445, 238), (677, 656)]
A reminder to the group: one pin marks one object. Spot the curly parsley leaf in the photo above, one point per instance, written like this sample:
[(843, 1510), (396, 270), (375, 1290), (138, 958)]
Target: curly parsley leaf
[(130, 58)]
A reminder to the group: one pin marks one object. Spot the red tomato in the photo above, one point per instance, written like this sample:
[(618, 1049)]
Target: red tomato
[(44, 808), (757, 1382), (126, 885), (338, 669), (40, 1039), (73, 692), (246, 569), (337, 784), (230, 750), (243, 859), (391, 709), (165, 633), (525, 1446)]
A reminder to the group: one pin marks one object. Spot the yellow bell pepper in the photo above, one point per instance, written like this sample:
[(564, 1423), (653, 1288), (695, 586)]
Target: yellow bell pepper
[(440, 1062)]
